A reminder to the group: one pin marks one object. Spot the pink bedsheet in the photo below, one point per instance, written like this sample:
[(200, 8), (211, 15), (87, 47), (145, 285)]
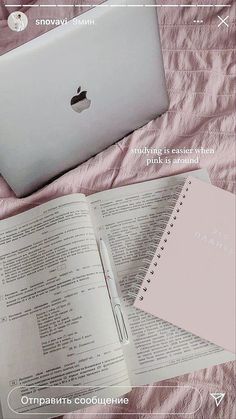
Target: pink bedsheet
[(200, 69)]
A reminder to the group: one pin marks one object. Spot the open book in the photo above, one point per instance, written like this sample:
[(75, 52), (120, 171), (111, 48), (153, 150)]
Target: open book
[(56, 322)]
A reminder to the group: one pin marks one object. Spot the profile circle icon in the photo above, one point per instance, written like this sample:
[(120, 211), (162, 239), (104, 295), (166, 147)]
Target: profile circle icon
[(17, 21)]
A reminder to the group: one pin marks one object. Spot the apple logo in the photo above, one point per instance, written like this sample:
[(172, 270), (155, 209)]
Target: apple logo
[(80, 102)]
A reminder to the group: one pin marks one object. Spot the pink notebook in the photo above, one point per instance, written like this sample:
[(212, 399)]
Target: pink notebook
[(191, 279)]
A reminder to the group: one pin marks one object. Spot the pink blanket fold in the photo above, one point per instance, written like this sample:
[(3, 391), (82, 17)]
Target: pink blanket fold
[(200, 67)]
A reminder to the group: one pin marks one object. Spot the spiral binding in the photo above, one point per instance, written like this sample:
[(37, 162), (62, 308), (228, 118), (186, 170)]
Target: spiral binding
[(167, 219)]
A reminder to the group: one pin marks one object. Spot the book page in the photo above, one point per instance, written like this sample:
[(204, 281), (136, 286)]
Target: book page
[(127, 218), (56, 324)]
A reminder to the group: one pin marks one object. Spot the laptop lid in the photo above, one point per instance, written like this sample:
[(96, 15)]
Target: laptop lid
[(77, 89)]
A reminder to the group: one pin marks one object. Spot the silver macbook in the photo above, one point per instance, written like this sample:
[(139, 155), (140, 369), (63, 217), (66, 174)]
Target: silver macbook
[(77, 89)]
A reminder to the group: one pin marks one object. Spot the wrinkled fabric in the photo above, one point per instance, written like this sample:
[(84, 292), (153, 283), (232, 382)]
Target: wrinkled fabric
[(200, 67)]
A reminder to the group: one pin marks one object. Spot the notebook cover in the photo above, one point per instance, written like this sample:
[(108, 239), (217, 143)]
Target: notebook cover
[(192, 282)]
